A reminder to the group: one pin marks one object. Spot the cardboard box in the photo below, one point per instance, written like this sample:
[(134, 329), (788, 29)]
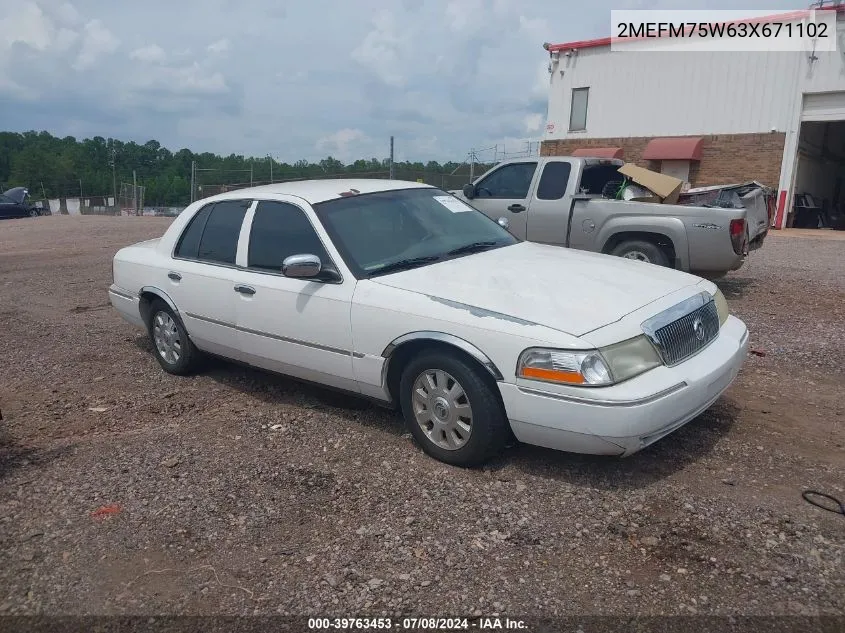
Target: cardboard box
[(667, 188)]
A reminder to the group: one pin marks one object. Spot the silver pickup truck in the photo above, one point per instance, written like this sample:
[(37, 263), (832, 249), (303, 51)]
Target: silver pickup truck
[(570, 201)]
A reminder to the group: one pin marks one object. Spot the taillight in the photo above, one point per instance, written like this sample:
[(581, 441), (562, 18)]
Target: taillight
[(737, 229)]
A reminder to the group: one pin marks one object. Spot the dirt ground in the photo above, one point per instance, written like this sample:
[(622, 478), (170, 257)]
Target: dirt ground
[(124, 490)]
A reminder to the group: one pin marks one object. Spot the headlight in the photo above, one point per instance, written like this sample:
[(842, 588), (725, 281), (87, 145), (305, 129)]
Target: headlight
[(593, 368), (721, 307), (569, 368), (631, 358)]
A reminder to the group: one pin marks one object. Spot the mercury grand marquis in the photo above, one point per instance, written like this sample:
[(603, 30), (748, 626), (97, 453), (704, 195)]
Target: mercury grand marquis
[(400, 292)]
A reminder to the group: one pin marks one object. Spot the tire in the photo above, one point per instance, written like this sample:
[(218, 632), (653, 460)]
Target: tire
[(33, 213), (439, 372), (642, 251), (173, 349)]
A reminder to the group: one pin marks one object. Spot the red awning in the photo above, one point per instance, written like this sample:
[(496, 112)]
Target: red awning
[(599, 152), (681, 148)]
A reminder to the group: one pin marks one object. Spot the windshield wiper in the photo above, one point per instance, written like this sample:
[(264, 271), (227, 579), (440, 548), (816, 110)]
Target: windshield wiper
[(474, 247), (405, 264)]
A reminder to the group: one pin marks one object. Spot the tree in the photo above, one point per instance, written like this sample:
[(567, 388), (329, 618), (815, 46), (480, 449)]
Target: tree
[(32, 158)]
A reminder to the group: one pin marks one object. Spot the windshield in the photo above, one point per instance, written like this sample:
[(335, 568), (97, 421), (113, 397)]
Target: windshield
[(388, 231)]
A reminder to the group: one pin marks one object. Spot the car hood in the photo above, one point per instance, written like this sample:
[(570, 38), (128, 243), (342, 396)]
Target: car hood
[(568, 290)]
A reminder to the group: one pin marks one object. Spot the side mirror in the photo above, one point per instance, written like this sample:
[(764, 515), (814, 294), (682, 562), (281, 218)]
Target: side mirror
[(504, 223), (469, 191), (301, 266)]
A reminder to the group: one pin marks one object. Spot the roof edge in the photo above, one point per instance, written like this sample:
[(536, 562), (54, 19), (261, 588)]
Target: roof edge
[(606, 41)]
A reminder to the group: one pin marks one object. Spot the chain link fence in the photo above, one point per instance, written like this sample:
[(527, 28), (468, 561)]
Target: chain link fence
[(130, 200)]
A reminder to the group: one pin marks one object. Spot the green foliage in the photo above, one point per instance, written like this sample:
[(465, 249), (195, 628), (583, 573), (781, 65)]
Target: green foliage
[(60, 167)]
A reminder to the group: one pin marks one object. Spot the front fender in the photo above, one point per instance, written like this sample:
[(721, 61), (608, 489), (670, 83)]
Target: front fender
[(449, 339)]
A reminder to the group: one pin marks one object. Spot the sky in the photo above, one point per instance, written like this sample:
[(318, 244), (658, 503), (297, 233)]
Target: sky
[(296, 79)]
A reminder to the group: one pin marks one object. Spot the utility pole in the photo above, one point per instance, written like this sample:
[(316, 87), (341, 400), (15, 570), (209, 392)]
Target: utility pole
[(250, 173), (391, 158), (135, 191), (113, 173), (472, 164), (193, 172), (80, 192), (271, 167)]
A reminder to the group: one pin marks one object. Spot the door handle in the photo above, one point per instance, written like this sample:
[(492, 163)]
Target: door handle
[(174, 276), (516, 208), (245, 290)]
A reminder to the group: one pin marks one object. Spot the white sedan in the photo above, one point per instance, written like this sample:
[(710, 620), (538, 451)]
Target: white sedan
[(399, 292)]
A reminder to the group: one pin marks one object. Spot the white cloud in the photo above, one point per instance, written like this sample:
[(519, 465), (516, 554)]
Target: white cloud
[(220, 47), (28, 25), (540, 88), (181, 80), (68, 14), (464, 14), (340, 144), (97, 41), (380, 51), (533, 122), (153, 54), (535, 28)]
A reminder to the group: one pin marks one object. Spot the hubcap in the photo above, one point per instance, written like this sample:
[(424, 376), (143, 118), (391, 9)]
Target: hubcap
[(638, 255), (442, 409), (166, 336)]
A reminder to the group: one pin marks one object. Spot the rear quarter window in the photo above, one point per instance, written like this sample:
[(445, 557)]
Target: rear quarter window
[(189, 243)]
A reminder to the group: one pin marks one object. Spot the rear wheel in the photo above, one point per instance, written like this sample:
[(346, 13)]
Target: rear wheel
[(173, 349), (451, 410), (642, 251), (33, 212)]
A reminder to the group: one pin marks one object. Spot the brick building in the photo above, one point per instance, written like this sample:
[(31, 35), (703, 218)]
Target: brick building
[(707, 117)]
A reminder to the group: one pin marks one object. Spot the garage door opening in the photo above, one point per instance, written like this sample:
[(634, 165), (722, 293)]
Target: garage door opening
[(819, 199)]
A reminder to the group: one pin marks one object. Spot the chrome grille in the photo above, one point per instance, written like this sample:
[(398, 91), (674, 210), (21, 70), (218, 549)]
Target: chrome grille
[(688, 335)]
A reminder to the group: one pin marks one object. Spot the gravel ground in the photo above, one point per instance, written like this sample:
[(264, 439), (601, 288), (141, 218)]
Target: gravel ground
[(124, 490)]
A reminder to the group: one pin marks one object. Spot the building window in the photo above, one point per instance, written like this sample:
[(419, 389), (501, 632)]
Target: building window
[(578, 109)]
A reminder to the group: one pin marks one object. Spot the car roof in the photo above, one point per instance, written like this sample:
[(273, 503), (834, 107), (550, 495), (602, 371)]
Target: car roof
[(315, 191)]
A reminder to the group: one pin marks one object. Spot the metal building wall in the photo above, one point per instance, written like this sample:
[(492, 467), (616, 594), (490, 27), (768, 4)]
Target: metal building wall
[(673, 94), (827, 73)]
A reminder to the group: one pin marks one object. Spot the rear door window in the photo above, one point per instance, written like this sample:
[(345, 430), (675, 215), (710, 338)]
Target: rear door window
[(219, 242), (554, 180)]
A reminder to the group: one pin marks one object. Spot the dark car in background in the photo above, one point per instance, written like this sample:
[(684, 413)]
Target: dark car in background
[(15, 203)]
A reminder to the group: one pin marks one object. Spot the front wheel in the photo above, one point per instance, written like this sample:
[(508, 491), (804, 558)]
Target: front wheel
[(641, 251), (451, 410)]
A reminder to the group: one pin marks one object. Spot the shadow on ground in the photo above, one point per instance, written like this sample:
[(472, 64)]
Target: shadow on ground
[(734, 287), (662, 459), (14, 456), (276, 389)]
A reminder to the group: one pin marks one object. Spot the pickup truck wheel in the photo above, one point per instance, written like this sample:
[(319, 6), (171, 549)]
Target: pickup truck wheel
[(451, 411), (173, 349), (641, 251)]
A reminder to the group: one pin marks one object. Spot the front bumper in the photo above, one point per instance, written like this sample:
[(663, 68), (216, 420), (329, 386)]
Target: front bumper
[(625, 418)]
